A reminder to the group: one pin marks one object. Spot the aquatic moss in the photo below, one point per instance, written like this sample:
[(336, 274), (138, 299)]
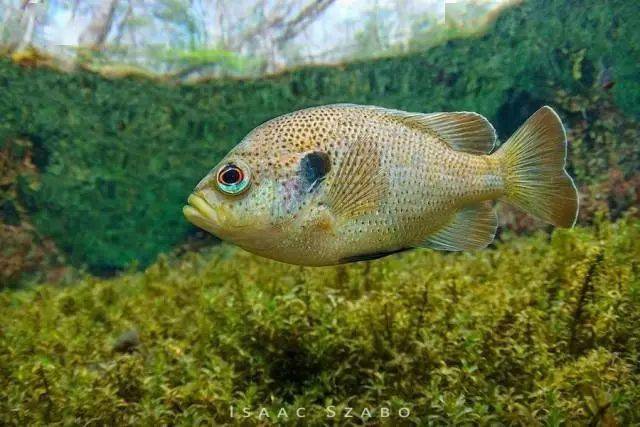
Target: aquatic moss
[(538, 330), (119, 156)]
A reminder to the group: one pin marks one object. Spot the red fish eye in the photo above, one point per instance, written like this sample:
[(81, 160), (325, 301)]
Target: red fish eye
[(230, 175), (233, 179)]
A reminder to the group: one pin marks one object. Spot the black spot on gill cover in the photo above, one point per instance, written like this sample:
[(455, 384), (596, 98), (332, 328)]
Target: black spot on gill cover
[(313, 168)]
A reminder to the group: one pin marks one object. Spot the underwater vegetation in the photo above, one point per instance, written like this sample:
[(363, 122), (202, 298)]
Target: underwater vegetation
[(543, 329)]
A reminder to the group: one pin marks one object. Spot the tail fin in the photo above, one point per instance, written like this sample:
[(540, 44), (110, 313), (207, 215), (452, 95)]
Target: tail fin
[(533, 162)]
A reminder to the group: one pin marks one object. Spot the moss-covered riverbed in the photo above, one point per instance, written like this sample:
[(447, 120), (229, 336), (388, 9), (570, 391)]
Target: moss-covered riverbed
[(539, 329)]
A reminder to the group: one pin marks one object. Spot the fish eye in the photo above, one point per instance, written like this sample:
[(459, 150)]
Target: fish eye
[(233, 179)]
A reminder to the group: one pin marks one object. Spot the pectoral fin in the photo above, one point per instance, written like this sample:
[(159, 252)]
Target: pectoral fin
[(473, 227), (358, 184)]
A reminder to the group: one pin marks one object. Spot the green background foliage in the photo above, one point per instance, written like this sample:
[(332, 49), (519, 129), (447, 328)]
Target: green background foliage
[(541, 330), (119, 157)]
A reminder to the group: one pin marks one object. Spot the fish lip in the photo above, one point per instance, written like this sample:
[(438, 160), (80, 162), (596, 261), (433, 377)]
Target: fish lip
[(200, 213)]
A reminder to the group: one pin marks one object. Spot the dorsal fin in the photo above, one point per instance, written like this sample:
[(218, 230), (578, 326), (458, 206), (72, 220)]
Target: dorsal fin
[(473, 227), (462, 131), (358, 184)]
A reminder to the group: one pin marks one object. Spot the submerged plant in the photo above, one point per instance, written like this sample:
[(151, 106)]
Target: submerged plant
[(537, 330)]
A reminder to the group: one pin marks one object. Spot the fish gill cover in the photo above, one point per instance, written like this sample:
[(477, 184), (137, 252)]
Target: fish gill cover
[(118, 156)]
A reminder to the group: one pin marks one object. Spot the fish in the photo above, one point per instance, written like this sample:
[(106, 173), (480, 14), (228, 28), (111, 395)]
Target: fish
[(345, 183)]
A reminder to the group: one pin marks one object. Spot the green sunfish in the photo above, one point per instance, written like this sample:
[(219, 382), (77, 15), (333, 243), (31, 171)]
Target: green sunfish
[(343, 183)]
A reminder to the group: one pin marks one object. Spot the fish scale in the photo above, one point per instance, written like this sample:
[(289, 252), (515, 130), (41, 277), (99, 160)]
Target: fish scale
[(344, 182)]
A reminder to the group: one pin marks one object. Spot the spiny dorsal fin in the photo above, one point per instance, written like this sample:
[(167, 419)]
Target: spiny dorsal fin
[(462, 131), (358, 184), (473, 227)]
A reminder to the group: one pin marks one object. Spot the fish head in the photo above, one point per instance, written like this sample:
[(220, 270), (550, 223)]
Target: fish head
[(260, 195), (233, 201)]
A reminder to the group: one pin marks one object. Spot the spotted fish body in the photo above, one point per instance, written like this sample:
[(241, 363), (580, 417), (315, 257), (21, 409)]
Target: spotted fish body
[(344, 183)]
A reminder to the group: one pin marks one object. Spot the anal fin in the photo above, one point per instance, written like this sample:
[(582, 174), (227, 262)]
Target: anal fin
[(473, 227)]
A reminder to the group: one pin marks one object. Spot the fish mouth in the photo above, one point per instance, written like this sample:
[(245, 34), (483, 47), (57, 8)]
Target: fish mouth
[(201, 214)]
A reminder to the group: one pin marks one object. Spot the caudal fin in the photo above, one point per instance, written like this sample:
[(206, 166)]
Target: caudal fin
[(533, 162)]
